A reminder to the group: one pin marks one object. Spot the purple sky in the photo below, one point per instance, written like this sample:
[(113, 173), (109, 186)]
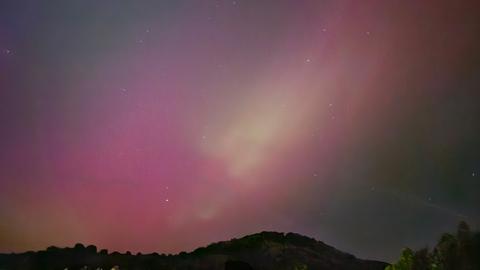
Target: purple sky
[(166, 125)]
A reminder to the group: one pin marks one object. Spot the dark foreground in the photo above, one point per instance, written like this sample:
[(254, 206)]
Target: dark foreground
[(266, 251)]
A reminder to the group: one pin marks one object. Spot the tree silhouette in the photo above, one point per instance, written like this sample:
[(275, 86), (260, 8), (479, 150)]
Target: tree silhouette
[(452, 252)]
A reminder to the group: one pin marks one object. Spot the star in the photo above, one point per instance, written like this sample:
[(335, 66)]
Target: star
[(166, 200)]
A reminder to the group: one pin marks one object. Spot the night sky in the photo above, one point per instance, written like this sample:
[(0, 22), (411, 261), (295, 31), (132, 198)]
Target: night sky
[(166, 125)]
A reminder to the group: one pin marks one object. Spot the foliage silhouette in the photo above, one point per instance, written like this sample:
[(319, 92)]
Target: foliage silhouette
[(452, 252)]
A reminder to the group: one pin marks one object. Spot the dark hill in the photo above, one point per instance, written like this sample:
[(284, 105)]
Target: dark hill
[(266, 250)]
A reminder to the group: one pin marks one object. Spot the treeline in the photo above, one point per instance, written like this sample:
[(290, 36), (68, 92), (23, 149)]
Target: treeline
[(265, 250), (81, 257), (452, 252)]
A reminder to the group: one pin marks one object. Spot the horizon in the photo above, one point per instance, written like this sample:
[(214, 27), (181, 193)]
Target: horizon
[(168, 125), (99, 250)]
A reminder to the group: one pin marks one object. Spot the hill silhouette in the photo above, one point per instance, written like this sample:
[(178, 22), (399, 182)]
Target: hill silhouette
[(265, 250)]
